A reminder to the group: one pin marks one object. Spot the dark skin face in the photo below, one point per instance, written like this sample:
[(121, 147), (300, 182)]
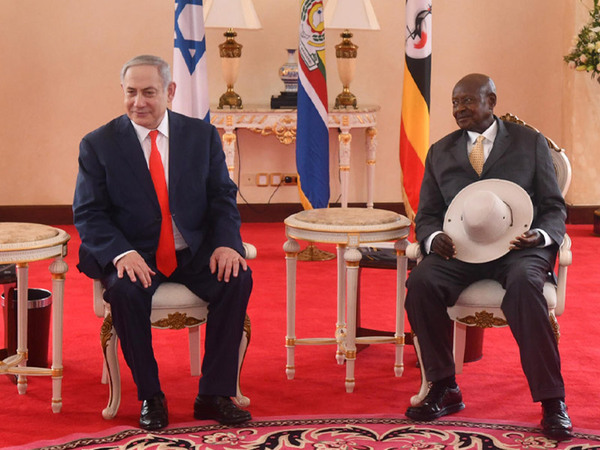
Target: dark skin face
[(473, 102)]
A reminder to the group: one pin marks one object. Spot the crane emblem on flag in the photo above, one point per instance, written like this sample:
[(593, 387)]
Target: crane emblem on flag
[(419, 35)]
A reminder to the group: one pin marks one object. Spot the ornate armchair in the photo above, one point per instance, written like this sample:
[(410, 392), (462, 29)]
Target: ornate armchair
[(173, 307), (479, 304)]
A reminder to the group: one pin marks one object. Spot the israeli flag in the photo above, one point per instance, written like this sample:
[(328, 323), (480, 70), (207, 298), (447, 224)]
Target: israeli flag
[(189, 61)]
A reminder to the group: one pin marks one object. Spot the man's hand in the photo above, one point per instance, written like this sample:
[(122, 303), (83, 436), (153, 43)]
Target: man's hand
[(134, 266), (442, 245), (529, 239), (225, 262)]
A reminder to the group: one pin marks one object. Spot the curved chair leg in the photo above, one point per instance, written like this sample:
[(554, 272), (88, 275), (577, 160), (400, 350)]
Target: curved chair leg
[(240, 399), (460, 342), (424, 389), (109, 340)]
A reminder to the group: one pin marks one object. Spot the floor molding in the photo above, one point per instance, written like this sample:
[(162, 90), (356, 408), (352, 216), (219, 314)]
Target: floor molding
[(250, 212)]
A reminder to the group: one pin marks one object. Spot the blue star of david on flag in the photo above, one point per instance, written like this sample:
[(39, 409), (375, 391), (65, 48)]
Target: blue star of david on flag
[(192, 50), (189, 60)]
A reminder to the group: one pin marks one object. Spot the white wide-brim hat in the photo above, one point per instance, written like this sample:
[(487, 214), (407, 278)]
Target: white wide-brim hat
[(485, 217)]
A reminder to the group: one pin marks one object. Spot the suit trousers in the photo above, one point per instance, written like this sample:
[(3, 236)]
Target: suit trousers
[(435, 284), (131, 306)]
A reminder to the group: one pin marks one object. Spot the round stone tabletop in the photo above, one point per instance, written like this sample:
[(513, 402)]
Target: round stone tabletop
[(17, 236), (347, 219)]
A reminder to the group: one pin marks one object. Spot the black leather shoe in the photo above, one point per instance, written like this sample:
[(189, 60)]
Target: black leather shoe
[(440, 401), (221, 409), (154, 415), (556, 423)]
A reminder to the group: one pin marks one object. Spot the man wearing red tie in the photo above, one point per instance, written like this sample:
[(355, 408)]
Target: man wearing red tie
[(154, 202)]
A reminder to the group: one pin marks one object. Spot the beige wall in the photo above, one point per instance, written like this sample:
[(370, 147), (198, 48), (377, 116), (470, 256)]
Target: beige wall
[(61, 58)]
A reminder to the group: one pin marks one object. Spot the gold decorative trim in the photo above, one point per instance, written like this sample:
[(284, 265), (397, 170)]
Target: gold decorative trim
[(57, 373), (344, 169), (177, 321), (555, 327), (345, 138), (248, 328), (106, 331), (290, 342), (350, 354), (371, 132), (370, 162), (229, 138), (400, 340), (284, 130), (483, 319), (352, 263)]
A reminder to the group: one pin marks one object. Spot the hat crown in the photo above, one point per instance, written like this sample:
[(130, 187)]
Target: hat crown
[(486, 217)]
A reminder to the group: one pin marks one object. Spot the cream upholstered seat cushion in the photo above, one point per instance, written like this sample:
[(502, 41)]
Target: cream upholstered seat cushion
[(489, 293), (175, 295)]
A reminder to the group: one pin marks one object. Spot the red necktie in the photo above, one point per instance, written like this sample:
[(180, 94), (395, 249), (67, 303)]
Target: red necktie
[(166, 261)]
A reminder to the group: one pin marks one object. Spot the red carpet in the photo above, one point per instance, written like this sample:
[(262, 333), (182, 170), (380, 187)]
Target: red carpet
[(494, 388), (361, 433)]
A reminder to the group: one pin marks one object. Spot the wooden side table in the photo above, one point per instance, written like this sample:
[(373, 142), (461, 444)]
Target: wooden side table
[(22, 243), (346, 227)]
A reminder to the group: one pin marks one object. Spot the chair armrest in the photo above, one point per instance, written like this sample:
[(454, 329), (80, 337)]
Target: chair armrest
[(565, 258), (250, 250), (413, 251), (98, 298)]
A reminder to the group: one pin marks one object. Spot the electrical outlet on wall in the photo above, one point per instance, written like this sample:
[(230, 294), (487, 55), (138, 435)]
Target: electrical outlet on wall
[(275, 179), (262, 179), (290, 179)]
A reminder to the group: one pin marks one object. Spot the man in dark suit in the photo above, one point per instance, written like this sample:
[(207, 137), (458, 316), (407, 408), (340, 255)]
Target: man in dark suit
[(121, 217), (518, 154)]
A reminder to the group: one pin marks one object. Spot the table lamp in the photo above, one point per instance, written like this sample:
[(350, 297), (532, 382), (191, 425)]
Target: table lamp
[(346, 15), (230, 14)]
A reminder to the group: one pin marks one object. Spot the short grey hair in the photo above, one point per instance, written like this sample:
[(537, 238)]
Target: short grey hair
[(149, 60)]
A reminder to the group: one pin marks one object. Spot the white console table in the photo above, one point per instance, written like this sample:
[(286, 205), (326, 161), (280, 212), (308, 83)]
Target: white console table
[(282, 124)]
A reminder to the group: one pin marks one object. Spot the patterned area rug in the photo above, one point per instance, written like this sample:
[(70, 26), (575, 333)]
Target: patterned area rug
[(369, 433)]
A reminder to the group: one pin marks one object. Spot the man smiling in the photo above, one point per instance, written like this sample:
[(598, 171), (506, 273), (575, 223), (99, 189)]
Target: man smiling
[(154, 203), (486, 148)]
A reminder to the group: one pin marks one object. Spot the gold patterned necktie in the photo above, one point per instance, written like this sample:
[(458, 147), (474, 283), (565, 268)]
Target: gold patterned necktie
[(476, 156)]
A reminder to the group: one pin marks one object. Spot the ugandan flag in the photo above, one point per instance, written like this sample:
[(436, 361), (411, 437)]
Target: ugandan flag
[(414, 127), (312, 134)]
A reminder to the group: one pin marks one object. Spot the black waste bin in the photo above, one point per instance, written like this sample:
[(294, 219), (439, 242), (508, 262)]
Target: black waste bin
[(39, 308)]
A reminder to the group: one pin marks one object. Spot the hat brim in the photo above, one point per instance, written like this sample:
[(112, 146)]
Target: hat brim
[(510, 193)]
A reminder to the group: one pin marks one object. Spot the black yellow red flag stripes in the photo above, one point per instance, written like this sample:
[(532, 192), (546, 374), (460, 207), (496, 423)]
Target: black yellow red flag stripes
[(414, 127)]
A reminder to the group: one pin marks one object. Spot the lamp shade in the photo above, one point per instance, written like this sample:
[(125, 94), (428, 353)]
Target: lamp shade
[(350, 14), (230, 14)]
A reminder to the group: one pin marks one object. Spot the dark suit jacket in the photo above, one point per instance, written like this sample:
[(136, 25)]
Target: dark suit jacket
[(519, 154), (115, 208)]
